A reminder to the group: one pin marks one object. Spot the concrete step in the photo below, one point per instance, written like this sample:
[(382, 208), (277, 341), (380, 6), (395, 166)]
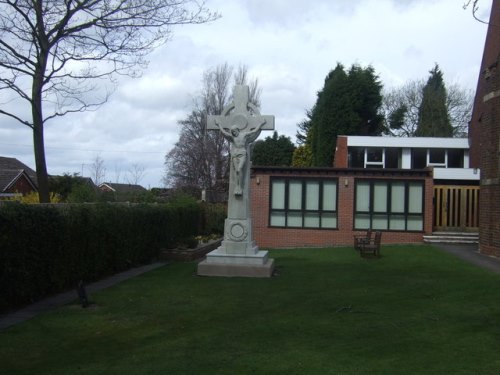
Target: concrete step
[(452, 237)]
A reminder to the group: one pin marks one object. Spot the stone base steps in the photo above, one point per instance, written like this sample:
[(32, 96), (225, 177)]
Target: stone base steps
[(452, 237)]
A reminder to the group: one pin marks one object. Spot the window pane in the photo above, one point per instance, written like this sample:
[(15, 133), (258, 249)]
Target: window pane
[(362, 196), (415, 197), (294, 219), (362, 221), (329, 220), (277, 219), (398, 197), (418, 158), (356, 157), (374, 155), (455, 158), (380, 197), (437, 156), (311, 220), (295, 195), (415, 223), (379, 222), (278, 195), (312, 195), (329, 195), (393, 157), (397, 222)]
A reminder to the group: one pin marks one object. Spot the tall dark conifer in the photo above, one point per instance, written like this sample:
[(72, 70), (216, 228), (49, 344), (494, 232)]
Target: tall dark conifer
[(348, 104), (433, 117)]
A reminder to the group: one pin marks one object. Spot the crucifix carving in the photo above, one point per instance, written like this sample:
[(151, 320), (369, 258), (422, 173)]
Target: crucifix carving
[(241, 123)]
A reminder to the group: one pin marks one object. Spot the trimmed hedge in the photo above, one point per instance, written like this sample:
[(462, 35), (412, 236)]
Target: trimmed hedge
[(48, 249)]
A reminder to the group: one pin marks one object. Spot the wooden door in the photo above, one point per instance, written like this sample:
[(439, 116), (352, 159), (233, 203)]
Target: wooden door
[(456, 208)]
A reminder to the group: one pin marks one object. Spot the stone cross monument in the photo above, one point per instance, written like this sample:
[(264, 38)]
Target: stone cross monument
[(241, 123)]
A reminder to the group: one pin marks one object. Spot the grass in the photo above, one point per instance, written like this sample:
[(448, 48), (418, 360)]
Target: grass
[(414, 311)]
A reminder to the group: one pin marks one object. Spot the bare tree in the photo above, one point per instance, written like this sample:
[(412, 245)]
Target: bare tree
[(97, 170), (118, 173), (200, 159), (474, 4), (401, 105), (54, 53), (135, 174)]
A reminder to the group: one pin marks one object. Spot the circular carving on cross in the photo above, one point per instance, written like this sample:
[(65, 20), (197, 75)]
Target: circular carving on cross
[(237, 232), (239, 121)]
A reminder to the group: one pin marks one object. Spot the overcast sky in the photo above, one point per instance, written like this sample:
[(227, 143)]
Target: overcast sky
[(288, 45)]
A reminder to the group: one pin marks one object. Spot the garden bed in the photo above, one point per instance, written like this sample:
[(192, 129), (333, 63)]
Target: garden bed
[(189, 255)]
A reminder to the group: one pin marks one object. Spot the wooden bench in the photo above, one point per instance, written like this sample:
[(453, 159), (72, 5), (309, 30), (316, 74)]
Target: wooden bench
[(362, 239), (372, 246)]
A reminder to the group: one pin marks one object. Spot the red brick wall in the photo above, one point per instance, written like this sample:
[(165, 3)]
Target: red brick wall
[(267, 237), (489, 203), (341, 160), (485, 137), (21, 186)]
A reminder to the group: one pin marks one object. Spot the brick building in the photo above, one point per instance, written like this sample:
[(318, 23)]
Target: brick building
[(484, 136), (294, 207)]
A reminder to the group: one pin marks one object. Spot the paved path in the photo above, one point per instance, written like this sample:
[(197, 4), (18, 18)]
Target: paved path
[(467, 252), (471, 254), (67, 297)]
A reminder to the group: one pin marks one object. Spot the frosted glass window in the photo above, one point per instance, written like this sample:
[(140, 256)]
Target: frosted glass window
[(295, 195), (311, 220), (415, 223), (277, 219), (303, 203), (278, 195), (362, 221), (362, 196), (328, 220), (329, 195), (398, 197), (389, 205), (380, 196), (312, 195), (294, 219), (379, 222), (397, 222), (415, 198)]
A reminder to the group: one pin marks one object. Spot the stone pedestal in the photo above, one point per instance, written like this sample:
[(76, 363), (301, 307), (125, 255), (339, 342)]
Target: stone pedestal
[(218, 263), (238, 255)]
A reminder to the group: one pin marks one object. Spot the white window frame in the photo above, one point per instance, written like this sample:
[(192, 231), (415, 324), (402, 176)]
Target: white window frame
[(375, 163)]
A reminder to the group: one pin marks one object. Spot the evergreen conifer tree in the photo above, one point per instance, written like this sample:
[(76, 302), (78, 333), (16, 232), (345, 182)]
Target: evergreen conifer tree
[(433, 117), (348, 104)]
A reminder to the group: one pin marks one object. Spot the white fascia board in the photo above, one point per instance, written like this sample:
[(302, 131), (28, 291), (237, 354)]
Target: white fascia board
[(405, 142), (457, 174)]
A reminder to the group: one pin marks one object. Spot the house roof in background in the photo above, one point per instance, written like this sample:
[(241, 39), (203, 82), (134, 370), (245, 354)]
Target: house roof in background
[(123, 188), (11, 170)]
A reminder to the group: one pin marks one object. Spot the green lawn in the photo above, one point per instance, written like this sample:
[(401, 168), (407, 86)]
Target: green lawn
[(413, 311)]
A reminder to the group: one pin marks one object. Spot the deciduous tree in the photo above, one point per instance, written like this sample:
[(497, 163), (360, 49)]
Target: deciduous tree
[(401, 108), (200, 159), (97, 170), (53, 54), (135, 174)]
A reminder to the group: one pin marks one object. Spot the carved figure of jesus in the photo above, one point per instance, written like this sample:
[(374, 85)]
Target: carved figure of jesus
[(240, 139)]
